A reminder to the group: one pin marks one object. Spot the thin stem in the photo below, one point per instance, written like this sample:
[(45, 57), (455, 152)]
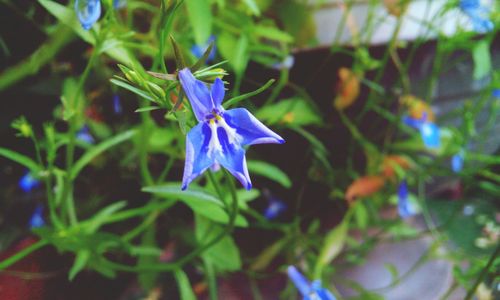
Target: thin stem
[(485, 271), (211, 279), (21, 254)]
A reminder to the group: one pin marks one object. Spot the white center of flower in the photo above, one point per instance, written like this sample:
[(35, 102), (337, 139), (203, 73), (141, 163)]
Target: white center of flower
[(214, 143)]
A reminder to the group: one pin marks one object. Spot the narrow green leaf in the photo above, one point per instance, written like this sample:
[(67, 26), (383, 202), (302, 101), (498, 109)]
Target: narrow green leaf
[(252, 5), (294, 111), (101, 217), (203, 58), (133, 89), (272, 33), (147, 108), (269, 171), (169, 77), (482, 59), (81, 260), (20, 159), (200, 18), (185, 289), (98, 149), (179, 58), (239, 98)]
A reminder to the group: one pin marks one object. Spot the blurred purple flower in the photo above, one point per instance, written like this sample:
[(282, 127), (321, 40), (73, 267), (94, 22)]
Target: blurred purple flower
[(457, 161), (286, 64), (88, 12), (36, 219), (275, 208), (496, 93), (27, 183), (429, 131), (310, 291), (198, 50), (220, 136)]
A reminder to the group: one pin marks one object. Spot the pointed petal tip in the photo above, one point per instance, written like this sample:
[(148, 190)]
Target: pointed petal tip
[(281, 141)]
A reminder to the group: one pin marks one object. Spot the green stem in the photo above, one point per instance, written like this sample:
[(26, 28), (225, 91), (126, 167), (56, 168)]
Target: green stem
[(211, 279), (21, 254), (31, 65), (485, 271)]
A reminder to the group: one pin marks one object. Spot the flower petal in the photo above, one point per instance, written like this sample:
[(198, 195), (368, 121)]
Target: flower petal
[(88, 12), (300, 282), (232, 157), (217, 92), (430, 135), (197, 160), (197, 93), (250, 129)]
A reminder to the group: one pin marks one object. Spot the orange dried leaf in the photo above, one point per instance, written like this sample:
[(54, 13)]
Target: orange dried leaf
[(417, 108), (348, 88), (391, 162), (396, 7), (363, 187)]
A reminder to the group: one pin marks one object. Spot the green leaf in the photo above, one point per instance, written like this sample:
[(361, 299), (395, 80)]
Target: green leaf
[(224, 255), (133, 89), (269, 171), (482, 59), (198, 200), (252, 5), (272, 33), (81, 260), (20, 159), (234, 50), (98, 149), (179, 58), (147, 108), (200, 18), (185, 289), (239, 98), (93, 224), (294, 111), (201, 61)]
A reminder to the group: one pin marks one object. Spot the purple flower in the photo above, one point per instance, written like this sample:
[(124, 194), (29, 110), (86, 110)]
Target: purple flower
[(496, 93), (275, 208), (199, 50), (27, 183), (286, 64), (84, 135), (405, 208), (220, 136), (310, 291), (457, 161), (478, 14), (36, 219), (88, 12)]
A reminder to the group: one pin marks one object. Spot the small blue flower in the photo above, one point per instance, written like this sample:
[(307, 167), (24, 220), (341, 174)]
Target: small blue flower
[(84, 135), (457, 161), (275, 208), (88, 12), (429, 131), (117, 4), (220, 136), (286, 64), (36, 219), (478, 14), (199, 50), (310, 291), (405, 208), (28, 182), (117, 105), (496, 93)]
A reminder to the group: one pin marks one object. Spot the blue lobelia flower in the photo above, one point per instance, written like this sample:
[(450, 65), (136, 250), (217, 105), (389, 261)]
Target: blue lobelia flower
[(286, 64), (84, 135), (405, 207), (478, 14), (88, 12), (496, 93), (199, 50), (457, 161), (36, 219), (27, 183), (310, 291), (430, 132), (117, 105), (117, 4), (275, 208), (221, 134)]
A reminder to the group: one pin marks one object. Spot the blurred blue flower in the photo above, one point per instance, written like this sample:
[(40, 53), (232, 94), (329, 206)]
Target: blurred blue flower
[(36, 219), (405, 208), (27, 183), (198, 50), (457, 161), (117, 105), (275, 208), (286, 64), (496, 93), (478, 14), (83, 135), (117, 4), (310, 291), (88, 12), (220, 136), (429, 131)]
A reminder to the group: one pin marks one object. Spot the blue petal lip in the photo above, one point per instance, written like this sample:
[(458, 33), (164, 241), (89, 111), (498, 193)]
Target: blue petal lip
[(300, 282), (250, 129), (430, 135), (198, 94), (88, 12), (197, 160)]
